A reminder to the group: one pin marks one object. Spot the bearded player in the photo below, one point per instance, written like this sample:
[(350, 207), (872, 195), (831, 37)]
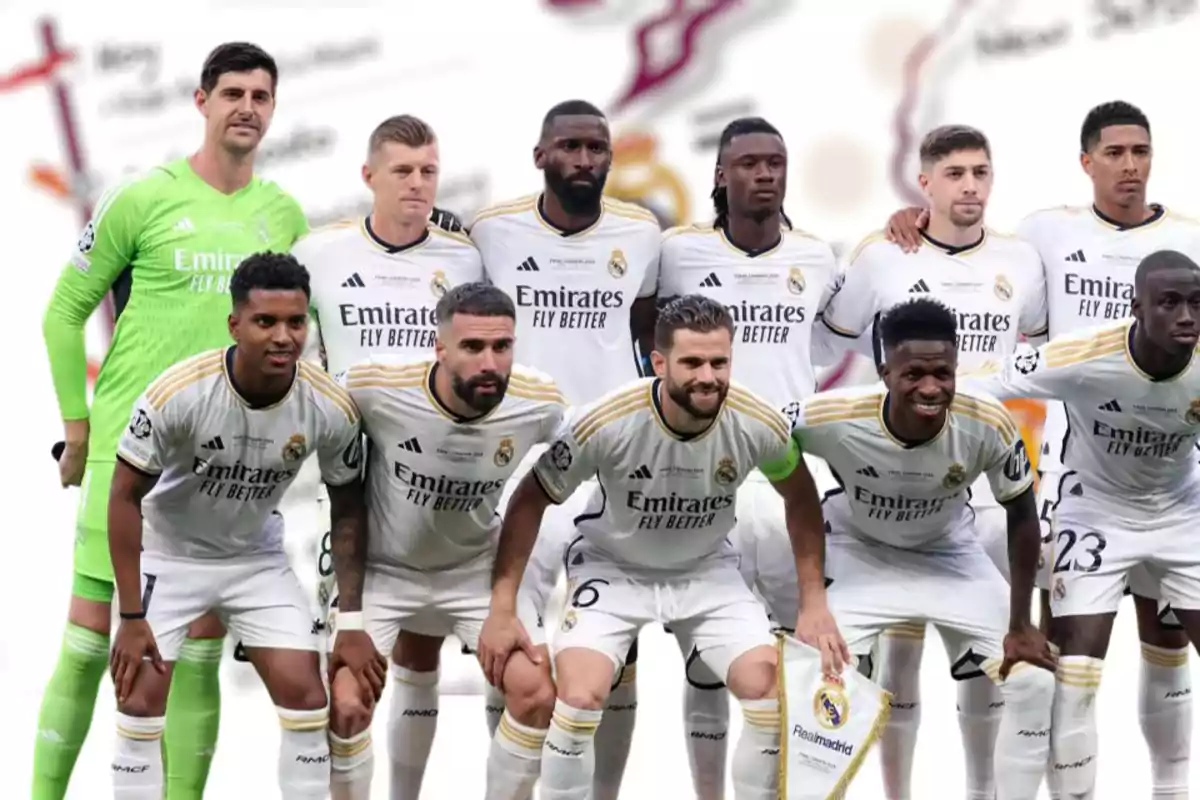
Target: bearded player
[(775, 280), (582, 269), (1090, 254)]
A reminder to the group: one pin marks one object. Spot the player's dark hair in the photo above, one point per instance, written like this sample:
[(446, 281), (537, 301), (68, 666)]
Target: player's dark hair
[(268, 271), (1116, 112), (693, 312), (738, 127), (569, 108), (1159, 261), (236, 57), (946, 139), (923, 319), (477, 300)]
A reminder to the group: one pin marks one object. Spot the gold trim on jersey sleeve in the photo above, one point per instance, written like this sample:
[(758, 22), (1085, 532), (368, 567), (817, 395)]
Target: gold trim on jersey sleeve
[(990, 413), (703, 228), (823, 411), (869, 239), (320, 381), (628, 210), (1065, 352), (515, 206), (622, 405), (540, 395), (747, 403), (183, 375)]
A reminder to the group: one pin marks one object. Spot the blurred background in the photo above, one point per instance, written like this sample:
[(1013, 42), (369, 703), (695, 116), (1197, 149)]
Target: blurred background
[(91, 92)]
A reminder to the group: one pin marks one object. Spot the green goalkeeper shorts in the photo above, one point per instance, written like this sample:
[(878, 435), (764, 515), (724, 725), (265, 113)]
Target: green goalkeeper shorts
[(93, 566)]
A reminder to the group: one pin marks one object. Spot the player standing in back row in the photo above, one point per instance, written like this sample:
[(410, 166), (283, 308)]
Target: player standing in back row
[(582, 269), (165, 244), (775, 281), (1089, 254), (995, 287), (208, 453)]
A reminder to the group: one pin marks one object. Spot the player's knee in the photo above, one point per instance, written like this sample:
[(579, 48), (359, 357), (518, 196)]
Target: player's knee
[(88, 612), (417, 652), (149, 695), (529, 692), (752, 675), (348, 714), (207, 627), (1029, 687)]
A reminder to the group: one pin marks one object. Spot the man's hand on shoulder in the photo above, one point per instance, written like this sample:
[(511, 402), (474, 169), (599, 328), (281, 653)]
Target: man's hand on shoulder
[(446, 220)]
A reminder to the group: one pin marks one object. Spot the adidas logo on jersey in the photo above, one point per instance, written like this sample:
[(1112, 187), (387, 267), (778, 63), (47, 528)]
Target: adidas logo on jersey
[(868, 471), (412, 446), (214, 443), (711, 281), (920, 286), (642, 473), (184, 224), (1077, 257), (528, 265), (355, 281), (1111, 405)]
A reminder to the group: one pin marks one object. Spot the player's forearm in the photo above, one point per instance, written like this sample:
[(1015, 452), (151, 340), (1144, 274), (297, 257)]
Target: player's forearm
[(125, 550), (808, 547), (1024, 544), (75, 298), (348, 546), (522, 521)]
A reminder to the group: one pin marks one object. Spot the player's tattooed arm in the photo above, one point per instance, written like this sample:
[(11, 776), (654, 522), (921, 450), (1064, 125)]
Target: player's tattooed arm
[(348, 542), (1024, 544), (643, 316), (129, 486)]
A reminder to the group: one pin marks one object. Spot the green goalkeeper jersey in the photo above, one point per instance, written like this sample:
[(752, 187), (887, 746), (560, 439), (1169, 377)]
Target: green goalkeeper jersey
[(167, 244)]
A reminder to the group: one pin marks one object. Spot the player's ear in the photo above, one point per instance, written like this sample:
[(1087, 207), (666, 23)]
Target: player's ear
[(366, 173), (719, 177), (658, 362), (233, 324), (539, 156), (201, 101), (1085, 161)]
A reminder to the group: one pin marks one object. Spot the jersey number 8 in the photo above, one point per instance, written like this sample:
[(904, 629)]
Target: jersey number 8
[(1092, 543), (325, 559)]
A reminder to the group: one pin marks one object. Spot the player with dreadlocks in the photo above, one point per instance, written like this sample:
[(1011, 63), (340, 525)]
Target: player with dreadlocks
[(774, 311)]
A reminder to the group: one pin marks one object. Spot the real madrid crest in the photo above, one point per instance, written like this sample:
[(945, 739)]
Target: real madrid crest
[(295, 448), (1192, 415), (504, 452), (726, 472), (1060, 589), (617, 265), (955, 476), (1003, 288), (569, 620), (831, 707), (795, 280), (438, 284)]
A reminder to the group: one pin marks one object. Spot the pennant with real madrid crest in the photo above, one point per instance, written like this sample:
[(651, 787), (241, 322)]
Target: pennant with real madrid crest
[(828, 725)]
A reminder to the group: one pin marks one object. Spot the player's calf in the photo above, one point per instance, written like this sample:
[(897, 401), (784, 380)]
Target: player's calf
[(584, 678), (706, 726), (751, 678), (899, 672), (352, 756), (1074, 742), (137, 765), (515, 756), (293, 680), (1164, 699), (614, 737), (413, 716)]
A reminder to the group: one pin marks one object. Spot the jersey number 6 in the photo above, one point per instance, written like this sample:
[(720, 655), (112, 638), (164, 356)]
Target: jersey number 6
[(1092, 543), (587, 595)]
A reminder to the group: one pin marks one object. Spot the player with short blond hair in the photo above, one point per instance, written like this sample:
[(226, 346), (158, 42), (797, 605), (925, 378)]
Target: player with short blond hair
[(210, 449)]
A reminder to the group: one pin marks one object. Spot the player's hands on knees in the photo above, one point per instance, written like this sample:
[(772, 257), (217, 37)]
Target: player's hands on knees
[(1027, 644), (133, 645), (817, 628), (446, 220), (355, 651), (503, 633), (72, 462), (905, 226)]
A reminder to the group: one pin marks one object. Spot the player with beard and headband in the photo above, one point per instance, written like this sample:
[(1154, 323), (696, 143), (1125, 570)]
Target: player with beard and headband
[(208, 452), (376, 284), (669, 453), (165, 244), (445, 433), (902, 543), (1089, 254), (583, 270), (995, 287), (775, 281), (1130, 491)]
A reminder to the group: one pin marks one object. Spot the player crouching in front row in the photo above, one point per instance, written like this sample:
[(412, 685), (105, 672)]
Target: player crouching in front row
[(211, 448), (445, 434), (669, 453)]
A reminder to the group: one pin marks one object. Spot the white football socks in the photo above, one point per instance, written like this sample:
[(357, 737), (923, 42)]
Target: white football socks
[(899, 669), (566, 765), (756, 755), (614, 737), (980, 707), (304, 753), (352, 765), (1165, 713), (706, 725), (412, 725), (1073, 739), (514, 760), (137, 766)]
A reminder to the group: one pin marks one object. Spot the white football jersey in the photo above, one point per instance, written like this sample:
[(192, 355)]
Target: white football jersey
[(1089, 264), (664, 501), (1128, 436), (369, 297), (223, 465), (573, 291), (903, 496), (774, 297), (995, 288), (434, 479)]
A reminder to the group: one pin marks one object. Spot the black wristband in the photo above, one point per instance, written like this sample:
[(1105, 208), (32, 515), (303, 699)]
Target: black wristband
[(134, 615)]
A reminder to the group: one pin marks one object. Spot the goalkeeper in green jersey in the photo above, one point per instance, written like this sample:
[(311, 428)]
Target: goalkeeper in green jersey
[(165, 244)]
